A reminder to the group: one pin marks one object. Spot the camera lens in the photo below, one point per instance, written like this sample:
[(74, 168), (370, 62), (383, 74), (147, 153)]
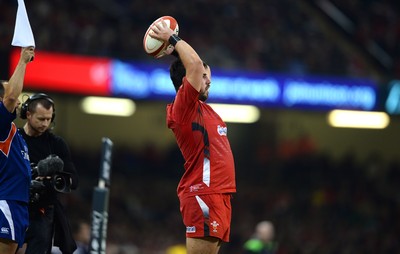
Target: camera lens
[(59, 183)]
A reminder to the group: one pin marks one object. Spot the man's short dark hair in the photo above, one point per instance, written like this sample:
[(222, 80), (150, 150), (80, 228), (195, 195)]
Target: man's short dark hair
[(177, 71), (43, 101)]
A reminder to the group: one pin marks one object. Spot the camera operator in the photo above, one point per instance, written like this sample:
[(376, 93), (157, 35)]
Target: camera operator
[(45, 210)]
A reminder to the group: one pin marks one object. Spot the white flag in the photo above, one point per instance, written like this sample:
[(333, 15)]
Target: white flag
[(23, 36)]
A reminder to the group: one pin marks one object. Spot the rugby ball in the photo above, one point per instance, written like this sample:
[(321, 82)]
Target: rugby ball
[(156, 47)]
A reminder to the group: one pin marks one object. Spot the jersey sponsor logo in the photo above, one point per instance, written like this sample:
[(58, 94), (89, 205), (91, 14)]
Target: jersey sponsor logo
[(5, 145), (5, 230), (222, 131), (191, 229), (25, 153), (214, 225), (195, 188)]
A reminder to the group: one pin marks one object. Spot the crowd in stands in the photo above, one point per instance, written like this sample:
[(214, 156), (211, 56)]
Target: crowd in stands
[(267, 36), (375, 22)]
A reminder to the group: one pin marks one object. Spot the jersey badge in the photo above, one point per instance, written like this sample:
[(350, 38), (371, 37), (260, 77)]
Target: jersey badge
[(222, 131), (214, 225)]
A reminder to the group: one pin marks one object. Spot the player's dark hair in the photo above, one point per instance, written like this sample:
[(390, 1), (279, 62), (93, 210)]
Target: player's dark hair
[(177, 71)]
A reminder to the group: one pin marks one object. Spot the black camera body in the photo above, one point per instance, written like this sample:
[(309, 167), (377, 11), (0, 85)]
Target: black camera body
[(48, 176)]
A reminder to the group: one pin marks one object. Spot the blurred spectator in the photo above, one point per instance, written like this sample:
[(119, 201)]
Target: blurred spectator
[(262, 241), (176, 249), (81, 233)]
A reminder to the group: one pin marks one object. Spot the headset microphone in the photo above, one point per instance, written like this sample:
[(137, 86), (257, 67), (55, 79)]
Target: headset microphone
[(34, 97)]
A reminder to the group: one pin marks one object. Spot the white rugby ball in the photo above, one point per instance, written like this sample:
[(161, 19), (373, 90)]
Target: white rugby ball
[(156, 47)]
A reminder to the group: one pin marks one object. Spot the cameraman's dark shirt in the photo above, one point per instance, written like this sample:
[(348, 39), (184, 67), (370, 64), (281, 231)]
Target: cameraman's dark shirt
[(42, 146)]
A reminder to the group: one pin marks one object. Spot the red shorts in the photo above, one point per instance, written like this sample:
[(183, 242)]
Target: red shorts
[(207, 215)]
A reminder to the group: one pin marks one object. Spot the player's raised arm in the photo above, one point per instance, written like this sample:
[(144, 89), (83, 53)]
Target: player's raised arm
[(13, 88), (190, 59)]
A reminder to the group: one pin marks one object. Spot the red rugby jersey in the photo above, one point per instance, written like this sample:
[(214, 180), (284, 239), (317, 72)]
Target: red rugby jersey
[(202, 138)]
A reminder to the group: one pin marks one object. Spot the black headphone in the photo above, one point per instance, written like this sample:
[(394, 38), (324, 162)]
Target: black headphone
[(37, 96)]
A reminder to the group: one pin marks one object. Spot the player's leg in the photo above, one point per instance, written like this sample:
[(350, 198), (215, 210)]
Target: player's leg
[(206, 245), (7, 246), (22, 249), (13, 224)]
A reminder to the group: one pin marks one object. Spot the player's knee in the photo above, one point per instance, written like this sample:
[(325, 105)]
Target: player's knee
[(206, 245)]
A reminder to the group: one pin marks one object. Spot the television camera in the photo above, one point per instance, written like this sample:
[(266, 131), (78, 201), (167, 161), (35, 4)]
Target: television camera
[(48, 176)]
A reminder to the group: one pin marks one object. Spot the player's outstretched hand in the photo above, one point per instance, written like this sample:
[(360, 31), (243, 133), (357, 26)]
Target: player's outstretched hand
[(27, 54), (161, 31)]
